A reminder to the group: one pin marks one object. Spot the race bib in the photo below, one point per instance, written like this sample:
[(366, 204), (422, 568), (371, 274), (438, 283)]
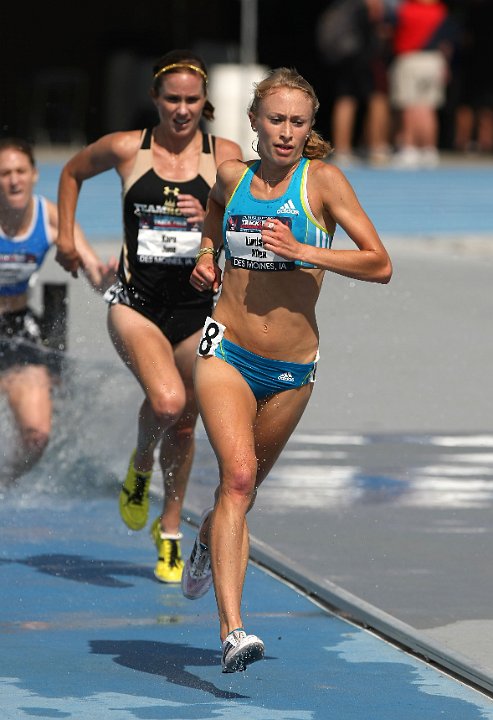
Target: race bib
[(244, 240), (17, 268), (211, 337), (164, 234), (167, 245)]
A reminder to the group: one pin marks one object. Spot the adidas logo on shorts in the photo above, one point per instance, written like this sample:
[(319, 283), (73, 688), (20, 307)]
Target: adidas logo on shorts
[(286, 377), (288, 208)]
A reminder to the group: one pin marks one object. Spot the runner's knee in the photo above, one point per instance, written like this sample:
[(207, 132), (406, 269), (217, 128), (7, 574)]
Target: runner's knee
[(167, 407), (239, 478)]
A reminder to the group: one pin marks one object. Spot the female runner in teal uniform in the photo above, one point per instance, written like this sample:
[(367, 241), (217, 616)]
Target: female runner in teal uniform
[(155, 315), (256, 360)]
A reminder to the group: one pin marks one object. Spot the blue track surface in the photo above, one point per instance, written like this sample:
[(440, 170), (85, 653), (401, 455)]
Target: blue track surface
[(416, 202), (87, 632)]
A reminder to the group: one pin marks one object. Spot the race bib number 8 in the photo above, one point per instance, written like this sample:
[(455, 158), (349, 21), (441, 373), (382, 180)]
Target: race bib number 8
[(211, 337)]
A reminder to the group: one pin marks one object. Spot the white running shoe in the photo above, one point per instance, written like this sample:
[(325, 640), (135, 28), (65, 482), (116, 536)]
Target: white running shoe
[(197, 574), (430, 158), (239, 650), (407, 158)]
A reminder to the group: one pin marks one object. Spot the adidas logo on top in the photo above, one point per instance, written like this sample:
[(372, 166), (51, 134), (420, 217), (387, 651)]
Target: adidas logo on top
[(288, 208), (286, 377)]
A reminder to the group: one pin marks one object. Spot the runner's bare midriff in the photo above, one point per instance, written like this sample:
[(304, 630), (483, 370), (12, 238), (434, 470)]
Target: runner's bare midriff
[(272, 320)]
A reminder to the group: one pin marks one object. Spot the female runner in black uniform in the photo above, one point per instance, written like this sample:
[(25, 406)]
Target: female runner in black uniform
[(155, 315)]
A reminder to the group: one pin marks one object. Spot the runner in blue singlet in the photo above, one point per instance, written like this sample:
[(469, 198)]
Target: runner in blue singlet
[(28, 225), (256, 359)]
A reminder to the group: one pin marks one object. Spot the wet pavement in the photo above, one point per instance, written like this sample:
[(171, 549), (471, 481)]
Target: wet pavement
[(87, 632)]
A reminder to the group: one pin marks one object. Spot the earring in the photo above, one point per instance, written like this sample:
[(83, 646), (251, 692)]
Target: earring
[(255, 149)]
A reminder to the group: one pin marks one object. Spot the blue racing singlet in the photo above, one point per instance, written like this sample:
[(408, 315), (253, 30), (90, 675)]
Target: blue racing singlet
[(245, 215), (21, 256)]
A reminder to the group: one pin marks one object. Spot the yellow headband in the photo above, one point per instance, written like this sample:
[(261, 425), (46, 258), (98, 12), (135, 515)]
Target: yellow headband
[(181, 65)]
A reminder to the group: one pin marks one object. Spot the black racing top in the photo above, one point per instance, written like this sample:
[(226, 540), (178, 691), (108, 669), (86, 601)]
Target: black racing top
[(160, 244)]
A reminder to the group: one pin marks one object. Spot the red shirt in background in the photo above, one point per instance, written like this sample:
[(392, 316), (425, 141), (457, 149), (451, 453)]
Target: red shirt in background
[(416, 23)]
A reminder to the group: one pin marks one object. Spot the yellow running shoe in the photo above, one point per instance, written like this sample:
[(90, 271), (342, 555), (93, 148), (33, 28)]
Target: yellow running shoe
[(134, 497), (169, 566)]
